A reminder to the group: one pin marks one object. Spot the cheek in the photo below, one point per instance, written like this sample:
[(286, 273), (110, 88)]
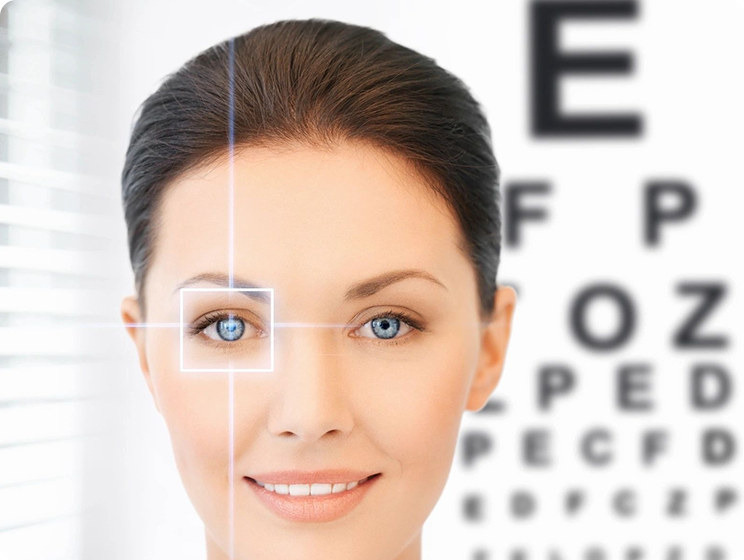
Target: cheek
[(194, 406), (419, 405), (439, 403)]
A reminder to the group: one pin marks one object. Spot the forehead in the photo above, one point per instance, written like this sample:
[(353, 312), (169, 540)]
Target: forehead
[(325, 214)]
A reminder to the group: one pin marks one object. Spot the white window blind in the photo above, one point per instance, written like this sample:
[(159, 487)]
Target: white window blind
[(58, 198)]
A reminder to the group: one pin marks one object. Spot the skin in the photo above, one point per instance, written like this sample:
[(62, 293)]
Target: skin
[(310, 223)]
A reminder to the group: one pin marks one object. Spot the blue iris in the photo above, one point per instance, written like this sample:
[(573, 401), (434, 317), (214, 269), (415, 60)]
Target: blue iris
[(230, 329), (385, 327)]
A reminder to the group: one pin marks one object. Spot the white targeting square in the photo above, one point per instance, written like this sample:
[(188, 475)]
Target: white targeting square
[(266, 356)]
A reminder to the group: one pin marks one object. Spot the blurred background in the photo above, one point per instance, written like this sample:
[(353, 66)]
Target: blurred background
[(615, 431)]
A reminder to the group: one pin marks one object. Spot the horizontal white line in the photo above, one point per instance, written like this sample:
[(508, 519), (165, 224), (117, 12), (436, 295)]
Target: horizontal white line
[(52, 178), (72, 302), (55, 136), (40, 480), (10, 82), (56, 220), (86, 263), (14, 403), (119, 325), (22, 443), (64, 516)]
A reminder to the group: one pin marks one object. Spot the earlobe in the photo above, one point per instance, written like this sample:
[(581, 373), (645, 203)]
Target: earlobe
[(131, 314), (494, 342)]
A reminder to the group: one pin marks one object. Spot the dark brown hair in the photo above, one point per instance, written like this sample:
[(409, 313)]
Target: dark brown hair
[(319, 82)]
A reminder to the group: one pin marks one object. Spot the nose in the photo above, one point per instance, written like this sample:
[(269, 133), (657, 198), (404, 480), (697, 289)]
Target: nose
[(311, 401)]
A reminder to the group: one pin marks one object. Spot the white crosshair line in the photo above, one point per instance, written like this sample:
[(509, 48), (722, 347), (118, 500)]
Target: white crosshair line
[(231, 374)]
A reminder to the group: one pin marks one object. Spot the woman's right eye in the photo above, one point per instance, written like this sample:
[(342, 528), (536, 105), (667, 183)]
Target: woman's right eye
[(228, 328)]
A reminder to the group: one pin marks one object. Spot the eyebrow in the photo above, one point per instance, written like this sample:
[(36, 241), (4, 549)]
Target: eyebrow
[(360, 290), (223, 281), (371, 286)]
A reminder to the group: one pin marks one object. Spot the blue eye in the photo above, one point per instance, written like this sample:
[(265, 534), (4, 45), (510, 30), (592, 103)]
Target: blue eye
[(230, 329), (390, 326), (385, 327), (222, 326)]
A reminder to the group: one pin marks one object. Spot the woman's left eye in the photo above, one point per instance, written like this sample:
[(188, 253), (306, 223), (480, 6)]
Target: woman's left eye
[(386, 327)]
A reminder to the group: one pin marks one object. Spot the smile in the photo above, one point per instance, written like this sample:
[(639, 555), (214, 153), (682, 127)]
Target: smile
[(322, 501)]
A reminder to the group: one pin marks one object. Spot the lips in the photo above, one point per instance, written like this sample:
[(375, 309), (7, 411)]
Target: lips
[(299, 505)]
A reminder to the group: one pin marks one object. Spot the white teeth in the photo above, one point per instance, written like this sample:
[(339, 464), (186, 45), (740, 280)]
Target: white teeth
[(299, 489), (320, 489), (317, 489)]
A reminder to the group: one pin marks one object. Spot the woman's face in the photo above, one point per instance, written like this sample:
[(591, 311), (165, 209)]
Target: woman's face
[(333, 233)]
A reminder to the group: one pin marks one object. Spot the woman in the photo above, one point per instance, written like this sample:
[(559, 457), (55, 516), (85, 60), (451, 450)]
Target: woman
[(347, 185)]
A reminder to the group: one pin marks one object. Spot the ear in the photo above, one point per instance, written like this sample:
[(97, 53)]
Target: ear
[(131, 313), (494, 341)]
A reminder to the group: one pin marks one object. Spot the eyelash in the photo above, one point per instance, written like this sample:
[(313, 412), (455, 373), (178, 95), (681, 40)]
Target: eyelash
[(403, 317), (217, 316)]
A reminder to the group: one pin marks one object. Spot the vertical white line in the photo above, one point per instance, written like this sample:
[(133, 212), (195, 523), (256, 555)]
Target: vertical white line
[(231, 188), (231, 469), (231, 374), (180, 342), (272, 330)]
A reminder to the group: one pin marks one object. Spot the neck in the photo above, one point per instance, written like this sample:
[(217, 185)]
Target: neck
[(412, 551)]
